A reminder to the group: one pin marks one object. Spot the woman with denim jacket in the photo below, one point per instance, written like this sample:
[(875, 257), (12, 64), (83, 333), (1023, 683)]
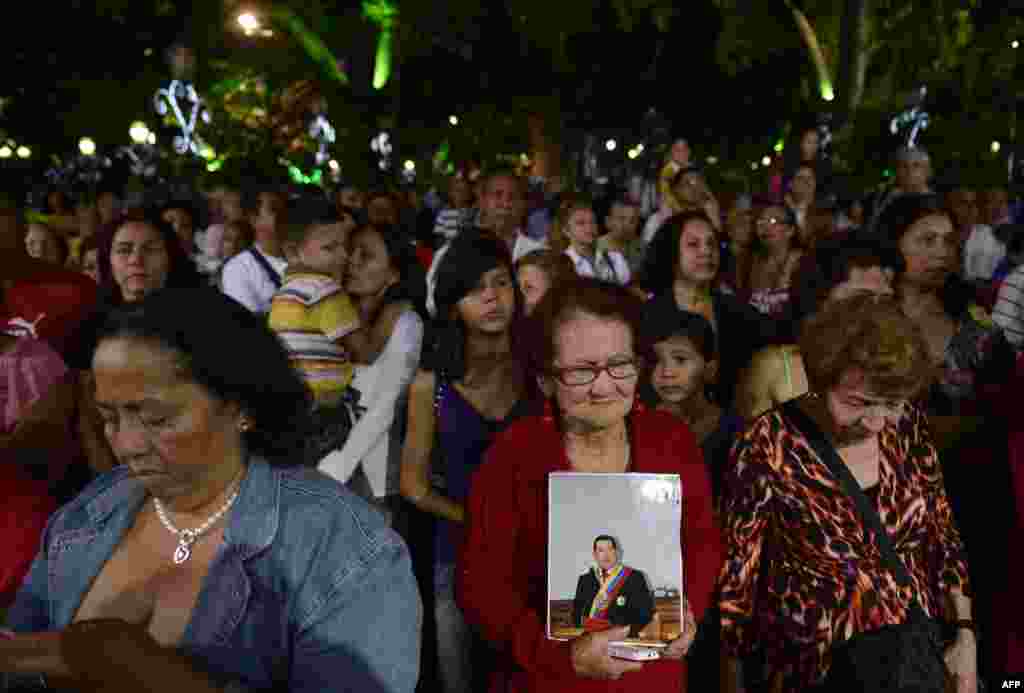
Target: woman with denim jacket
[(203, 562)]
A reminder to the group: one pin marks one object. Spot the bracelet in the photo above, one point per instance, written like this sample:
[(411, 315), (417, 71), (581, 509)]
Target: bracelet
[(965, 624)]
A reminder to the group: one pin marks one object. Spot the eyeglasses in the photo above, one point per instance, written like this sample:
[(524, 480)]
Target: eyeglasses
[(578, 376)]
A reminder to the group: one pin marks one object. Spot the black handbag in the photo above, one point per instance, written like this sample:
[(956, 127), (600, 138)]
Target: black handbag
[(903, 658)]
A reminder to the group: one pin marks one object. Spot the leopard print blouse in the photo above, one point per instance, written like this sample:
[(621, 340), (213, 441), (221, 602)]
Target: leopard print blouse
[(800, 575)]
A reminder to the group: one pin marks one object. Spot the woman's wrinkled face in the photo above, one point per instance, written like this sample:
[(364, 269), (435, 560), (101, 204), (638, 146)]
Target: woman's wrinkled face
[(370, 272), (41, 244), (591, 342), (139, 260), (490, 306), (581, 228), (679, 370), (773, 227), (533, 284), (90, 265), (169, 431), (930, 249), (699, 254), (856, 413)]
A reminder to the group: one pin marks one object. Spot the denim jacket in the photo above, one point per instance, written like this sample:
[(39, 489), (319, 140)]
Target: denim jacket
[(309, 591)]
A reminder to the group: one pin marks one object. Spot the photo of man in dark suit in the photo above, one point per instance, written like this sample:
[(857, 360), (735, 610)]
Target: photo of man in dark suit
[(612, 594)]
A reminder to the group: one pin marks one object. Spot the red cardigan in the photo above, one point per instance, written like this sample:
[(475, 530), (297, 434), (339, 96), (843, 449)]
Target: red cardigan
[(502, 576)]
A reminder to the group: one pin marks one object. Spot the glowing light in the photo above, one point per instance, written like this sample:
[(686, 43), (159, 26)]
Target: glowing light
[(214, 165), (409, 165), (639, 149), (779, 146), (207, 152), (610, 145), (1015, 44), (24, 152), (826, 91), (632, 153), (152, 138), (5, 152), (333, 163), (766, 161), (138, 132), (996, 146), (249, 23), (454, 120), (87, 146), (712, 160), (753, 166)]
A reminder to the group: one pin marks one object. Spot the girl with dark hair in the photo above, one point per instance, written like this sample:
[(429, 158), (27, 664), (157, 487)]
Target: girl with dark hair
[(472, 386), (207, 561)]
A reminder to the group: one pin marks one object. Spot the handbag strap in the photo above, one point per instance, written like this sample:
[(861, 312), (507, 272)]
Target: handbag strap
[(868, 513)]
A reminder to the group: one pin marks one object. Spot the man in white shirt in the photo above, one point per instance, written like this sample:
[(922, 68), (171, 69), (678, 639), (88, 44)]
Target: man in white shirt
[(502, 205), (253, 276)]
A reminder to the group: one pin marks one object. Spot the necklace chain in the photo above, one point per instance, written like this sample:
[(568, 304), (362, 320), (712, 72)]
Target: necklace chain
[(188, 537)]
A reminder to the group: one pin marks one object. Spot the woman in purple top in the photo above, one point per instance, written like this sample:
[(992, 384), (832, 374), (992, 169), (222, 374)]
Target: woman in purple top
[(472, 386)]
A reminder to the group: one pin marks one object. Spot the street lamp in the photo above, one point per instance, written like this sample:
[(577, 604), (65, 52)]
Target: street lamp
[(610, 145), (87, 146), (410, 165), (766, 161), (139, 132), (24, 152), (996, 146), (454, 120), (1015, 44), (6, 152)]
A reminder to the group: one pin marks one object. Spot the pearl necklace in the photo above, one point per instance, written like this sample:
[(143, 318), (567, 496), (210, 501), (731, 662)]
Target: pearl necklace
[(188, 537)]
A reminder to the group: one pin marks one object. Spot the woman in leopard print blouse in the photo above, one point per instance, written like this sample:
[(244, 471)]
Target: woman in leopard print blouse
[(800, 575)]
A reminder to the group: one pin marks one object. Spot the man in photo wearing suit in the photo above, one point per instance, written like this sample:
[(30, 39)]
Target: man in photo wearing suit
[(612, 594)]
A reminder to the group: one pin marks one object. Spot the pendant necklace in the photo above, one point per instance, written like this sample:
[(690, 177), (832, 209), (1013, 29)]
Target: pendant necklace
[(188, 537)]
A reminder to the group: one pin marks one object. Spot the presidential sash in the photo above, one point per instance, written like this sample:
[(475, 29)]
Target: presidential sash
[(597, 618)]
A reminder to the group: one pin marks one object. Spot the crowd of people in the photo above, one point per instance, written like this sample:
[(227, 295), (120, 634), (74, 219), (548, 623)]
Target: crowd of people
[(268, 439)]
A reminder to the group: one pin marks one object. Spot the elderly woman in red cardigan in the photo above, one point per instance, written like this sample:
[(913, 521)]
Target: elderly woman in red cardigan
[(585, 349)]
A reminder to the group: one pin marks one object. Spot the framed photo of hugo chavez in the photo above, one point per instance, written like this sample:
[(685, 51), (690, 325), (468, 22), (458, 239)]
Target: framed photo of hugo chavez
[(615, 555)]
